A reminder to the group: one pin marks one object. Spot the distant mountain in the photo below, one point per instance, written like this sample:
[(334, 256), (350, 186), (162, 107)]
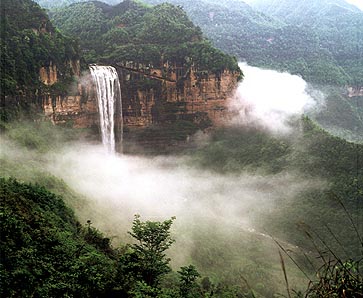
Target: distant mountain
[(338, 25), (51, 4), (308, 12), (267, 41), (133, 31)]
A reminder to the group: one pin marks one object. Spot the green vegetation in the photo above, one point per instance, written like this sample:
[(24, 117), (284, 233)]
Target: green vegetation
[(54, 4), (338, 279), (314, 154), (153, 240), (341, 115), (319, 40), (27, 128), (247, 149), (129, 272), (337, 25), (46, 252), (28, 42), (134, 32)]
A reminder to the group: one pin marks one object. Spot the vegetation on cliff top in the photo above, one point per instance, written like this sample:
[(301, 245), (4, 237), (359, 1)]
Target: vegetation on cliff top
[(324, 49), (28, 42), (49, 4), (134, 32)]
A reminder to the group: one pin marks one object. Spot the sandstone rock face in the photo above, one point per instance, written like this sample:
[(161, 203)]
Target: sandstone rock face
[(75, 66), (152, 96), (79, 111), (48, 74)]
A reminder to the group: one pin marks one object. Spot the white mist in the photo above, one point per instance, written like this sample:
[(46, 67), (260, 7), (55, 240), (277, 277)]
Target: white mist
[(269, 98)]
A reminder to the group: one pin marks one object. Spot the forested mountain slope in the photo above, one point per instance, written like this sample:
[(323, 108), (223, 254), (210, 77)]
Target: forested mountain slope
[(338, 25), (45, 251), (301, 12), (324, 57), (51, 4), (29, 42), (131, 31), (53, 255)]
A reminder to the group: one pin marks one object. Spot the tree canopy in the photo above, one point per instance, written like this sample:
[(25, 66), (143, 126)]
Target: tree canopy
[(132, 31), (28, 41), (319, 40)]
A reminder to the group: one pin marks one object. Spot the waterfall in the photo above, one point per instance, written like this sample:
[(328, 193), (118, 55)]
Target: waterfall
[(109, 105)]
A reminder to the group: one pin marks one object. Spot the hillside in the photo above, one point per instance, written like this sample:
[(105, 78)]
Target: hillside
[(168, 71), (301, 12), (341, 115), (337, 24), (45, 251), (51, 4), (323, 57), (132, 31), (239, 194), (313, 153), (220, 248), (30, 42), (171, 77)]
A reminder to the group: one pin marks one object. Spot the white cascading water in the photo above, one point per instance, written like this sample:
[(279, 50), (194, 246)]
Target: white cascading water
[(109, 104)]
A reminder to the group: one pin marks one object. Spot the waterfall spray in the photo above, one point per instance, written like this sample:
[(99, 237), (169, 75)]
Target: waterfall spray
[(109, 105)]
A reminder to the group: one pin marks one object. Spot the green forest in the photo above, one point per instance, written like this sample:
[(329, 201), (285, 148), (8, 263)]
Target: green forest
[(29, 41), (133, 31), (243, 212), (325, 48), (47, 249)]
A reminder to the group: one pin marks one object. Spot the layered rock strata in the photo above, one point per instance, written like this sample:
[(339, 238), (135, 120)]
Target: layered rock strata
[(152, 96)]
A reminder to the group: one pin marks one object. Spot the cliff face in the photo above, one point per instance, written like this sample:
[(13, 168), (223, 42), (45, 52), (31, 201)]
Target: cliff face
[(48, 75), (152, 96), (355, 91), (79, 110), (35, 55)]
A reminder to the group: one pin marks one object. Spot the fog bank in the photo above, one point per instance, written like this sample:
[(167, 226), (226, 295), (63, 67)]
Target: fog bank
[(119, 186), (269, 99)]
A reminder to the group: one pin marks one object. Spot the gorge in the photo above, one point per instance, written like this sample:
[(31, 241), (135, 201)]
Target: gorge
[(227, 170)]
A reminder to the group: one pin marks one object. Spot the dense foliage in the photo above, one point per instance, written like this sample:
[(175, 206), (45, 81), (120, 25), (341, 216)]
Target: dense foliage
[(45, 252), (322, 49), (134, 32), (52, 4), (51, 254), (337, 24), (314, 154), (28, 42)]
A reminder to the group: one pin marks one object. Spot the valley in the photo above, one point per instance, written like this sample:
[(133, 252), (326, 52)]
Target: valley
[(184, 149)]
